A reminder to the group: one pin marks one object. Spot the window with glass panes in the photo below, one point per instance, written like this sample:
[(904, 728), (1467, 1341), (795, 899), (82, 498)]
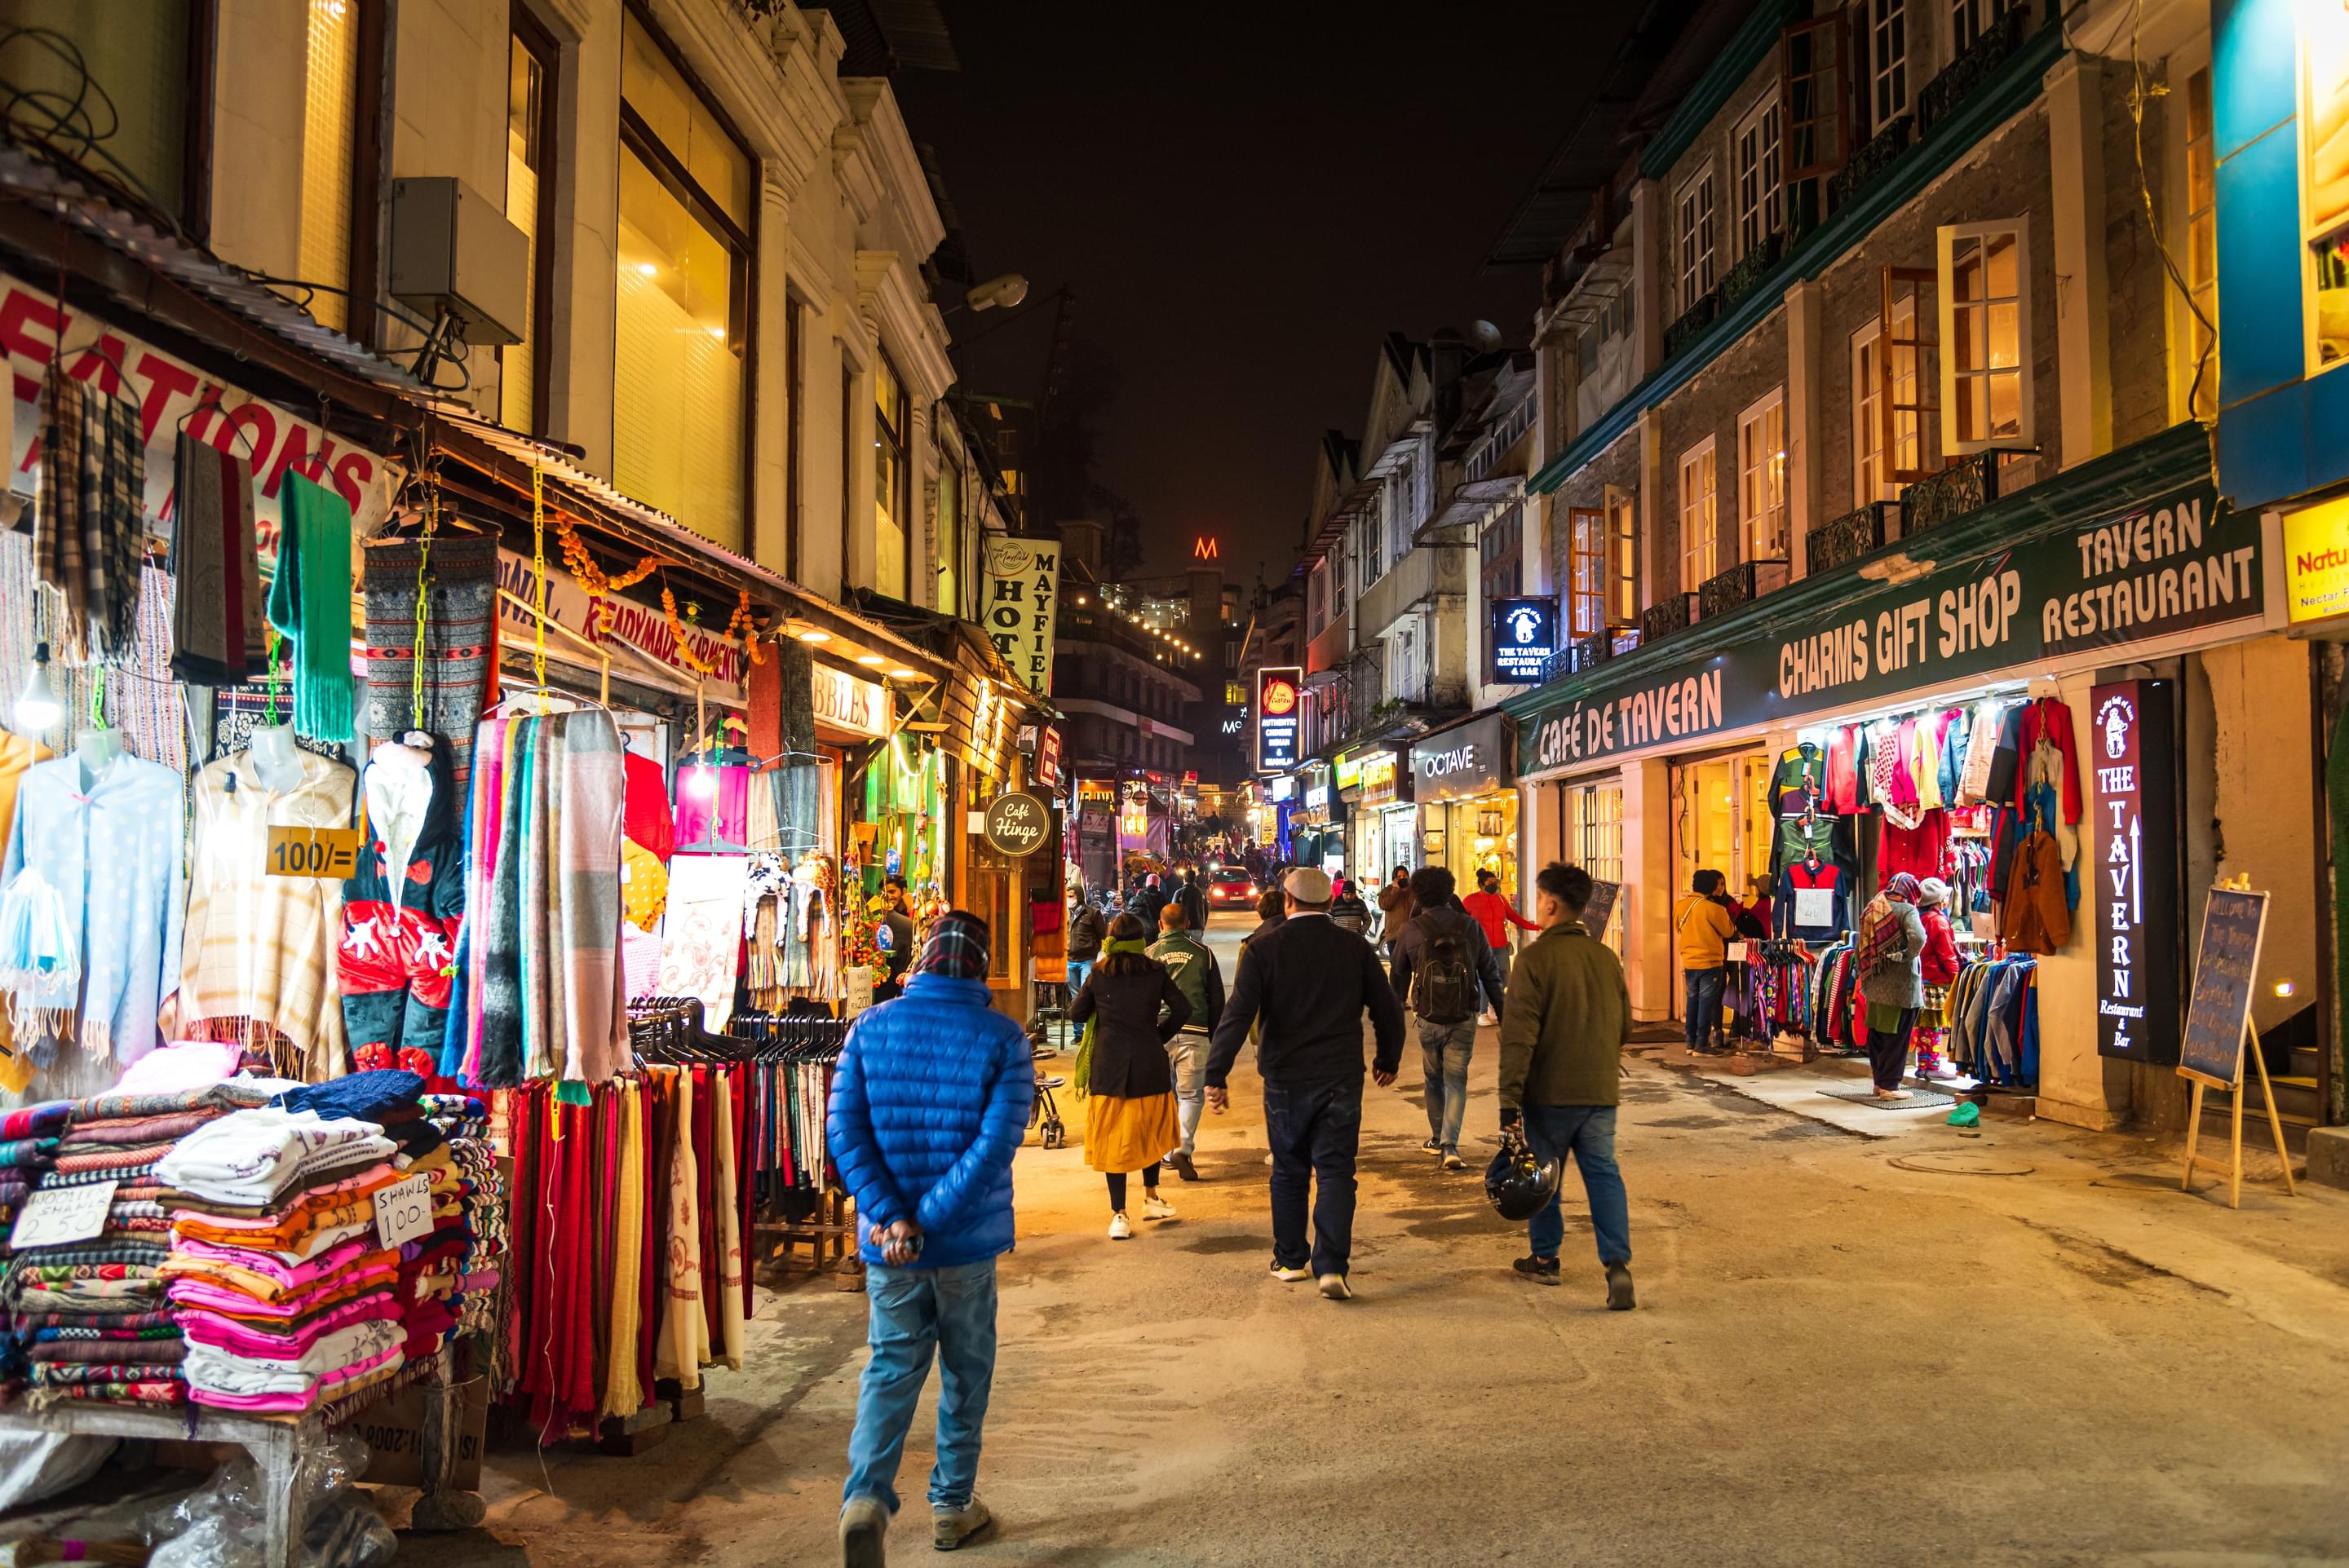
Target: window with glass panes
[(1760, 194), (136, 52), (1586, 575), (1696, 238), (1622, 558), (1888, 60), (1595, 841), (1699, 516), (329, 147), (1868, 414), (1982, 356), (680, 394), (1970, 19), (892, 513), (529, 123), (1762, 477)]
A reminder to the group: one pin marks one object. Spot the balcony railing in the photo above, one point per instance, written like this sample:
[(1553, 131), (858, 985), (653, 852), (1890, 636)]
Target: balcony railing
[(1752, 269), (1969, 70), (1845, 539), (1967, 484), (1672, 613), (1868, 159), (1741, 584), (1692, 324)]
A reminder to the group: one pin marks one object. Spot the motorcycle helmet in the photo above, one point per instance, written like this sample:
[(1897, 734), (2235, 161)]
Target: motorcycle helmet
[(1519, 1183)]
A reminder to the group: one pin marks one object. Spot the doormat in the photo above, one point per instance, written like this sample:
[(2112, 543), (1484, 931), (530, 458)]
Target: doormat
[(1918, 1098)]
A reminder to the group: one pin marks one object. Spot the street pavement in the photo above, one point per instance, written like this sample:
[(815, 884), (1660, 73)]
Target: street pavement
[(2023, 1347)]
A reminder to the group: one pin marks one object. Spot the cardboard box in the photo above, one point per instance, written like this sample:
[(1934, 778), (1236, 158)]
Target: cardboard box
[(394, 1429)]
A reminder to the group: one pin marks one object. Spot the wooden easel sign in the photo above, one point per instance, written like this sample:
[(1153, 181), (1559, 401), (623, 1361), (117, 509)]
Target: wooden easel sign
[(2219, 1021)]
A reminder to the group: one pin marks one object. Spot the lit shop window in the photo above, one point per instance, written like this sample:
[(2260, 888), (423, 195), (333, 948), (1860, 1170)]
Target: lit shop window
[(1985, 379), (680, 375), (2325, 173), (1586, 593), (1699, 516), (892, 416), (329, 145), (1762, 477)]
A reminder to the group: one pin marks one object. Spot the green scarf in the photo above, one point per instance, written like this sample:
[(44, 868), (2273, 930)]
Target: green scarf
[(1080, 1076), (310, 602)]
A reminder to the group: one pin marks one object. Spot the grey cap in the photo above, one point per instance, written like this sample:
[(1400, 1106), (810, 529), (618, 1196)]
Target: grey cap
[(1307, 885)]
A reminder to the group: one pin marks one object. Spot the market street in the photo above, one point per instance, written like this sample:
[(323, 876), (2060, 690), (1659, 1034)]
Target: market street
[(1836, 1360)]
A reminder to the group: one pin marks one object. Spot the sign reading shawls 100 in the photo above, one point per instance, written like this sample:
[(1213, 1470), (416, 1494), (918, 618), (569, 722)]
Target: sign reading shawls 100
[(1023, 579), (2179, 563), (172, 395)]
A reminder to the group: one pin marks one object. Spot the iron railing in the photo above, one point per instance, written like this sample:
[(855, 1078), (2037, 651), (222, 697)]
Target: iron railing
[(1868, 159), (1844, 540), (1672, 613), (1692, 324), (1968, 71)]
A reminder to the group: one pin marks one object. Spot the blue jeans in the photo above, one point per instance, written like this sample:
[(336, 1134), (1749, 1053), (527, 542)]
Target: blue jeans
[(1443, 1050), (1078, 969), (912, 1312), (1703, 991), (1589, 1130), (1186, 1053), (1315, 1131)]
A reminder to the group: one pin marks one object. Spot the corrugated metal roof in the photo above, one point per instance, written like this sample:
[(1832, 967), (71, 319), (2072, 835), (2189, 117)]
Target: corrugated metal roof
[(97, 212)]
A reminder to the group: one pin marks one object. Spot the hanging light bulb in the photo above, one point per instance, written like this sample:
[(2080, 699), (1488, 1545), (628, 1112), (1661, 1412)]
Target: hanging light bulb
[(39, 709)]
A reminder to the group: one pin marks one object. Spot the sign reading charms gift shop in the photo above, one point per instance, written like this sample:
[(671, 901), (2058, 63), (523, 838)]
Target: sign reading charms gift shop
[(2181, 563), (1022, 589)]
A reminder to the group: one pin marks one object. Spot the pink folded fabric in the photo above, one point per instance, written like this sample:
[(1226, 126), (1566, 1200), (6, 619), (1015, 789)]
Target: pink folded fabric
[(221, 1298), (182, 1065), (289, 1277), (226, 1333), (294, 1404), (313, 1246)]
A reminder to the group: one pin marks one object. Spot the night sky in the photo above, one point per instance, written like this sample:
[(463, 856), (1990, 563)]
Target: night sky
[(1245, 199)]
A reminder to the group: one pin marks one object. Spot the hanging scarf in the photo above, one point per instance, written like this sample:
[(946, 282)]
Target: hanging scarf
[(310, 602), (88, 527), (216, 632), (1881, 931), (1080, 1076)]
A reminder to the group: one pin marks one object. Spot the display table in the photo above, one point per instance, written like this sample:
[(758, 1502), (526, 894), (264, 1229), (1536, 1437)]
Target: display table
[(276, 1444)]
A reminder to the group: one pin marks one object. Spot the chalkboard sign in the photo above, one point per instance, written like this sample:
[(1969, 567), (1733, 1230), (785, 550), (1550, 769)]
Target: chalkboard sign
[(1601, 908), (2226, 966)]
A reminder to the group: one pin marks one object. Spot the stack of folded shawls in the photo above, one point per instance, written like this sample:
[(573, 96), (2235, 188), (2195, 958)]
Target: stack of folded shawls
[(275, 1275), (90, 1314)]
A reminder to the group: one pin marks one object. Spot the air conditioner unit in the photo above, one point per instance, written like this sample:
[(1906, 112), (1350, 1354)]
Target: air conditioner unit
[(452, 248)]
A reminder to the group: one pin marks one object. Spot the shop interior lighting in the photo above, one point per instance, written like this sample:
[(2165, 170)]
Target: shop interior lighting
[(701, 782), (871, 659), (814, 635), (902, 674), (38, 708), (2283, 987)]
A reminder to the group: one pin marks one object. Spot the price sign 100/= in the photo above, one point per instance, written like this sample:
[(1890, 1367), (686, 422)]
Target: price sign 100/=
[(314, 852)]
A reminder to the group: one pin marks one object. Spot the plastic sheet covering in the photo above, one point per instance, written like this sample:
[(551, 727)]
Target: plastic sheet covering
[(221, 1524)]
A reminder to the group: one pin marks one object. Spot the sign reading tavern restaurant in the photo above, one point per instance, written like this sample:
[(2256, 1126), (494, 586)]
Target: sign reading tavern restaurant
[(2181, 564)]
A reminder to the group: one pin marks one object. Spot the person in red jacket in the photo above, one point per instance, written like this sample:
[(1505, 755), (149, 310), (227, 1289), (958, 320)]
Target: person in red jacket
[(1939, 968), (1490, 910)]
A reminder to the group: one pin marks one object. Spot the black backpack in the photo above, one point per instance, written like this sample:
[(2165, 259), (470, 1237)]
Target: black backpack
[(1445, 989)]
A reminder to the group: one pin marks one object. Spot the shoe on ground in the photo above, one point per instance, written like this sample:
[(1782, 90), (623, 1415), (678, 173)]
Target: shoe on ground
[(1432, 1146), (1181, 1164), (1120, 1230), (863, 1528), (1618, 1288), (1334, 1288), (1452, 1160), (1541, 1271), (1154, 1207), (1290, 1273), (953, 1527)]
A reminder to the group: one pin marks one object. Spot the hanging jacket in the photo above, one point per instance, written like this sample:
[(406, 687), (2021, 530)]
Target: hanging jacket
[(1980, 751), (1842, 794), (404, 904), (2006, 761), (2048, 719), (1799, 783), (1801, 877), (2035, 918), (929, 1103)]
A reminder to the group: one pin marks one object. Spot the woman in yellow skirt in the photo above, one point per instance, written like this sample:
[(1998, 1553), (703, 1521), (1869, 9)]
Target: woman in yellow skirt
[(1130, 1008)]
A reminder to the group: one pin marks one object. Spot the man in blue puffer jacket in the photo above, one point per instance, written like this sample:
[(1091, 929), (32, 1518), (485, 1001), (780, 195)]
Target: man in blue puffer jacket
[(929, 1103)]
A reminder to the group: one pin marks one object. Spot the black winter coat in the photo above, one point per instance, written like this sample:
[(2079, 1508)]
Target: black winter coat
[(1129, 1040)]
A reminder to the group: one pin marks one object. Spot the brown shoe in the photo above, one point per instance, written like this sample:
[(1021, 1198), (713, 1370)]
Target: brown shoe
[(954, 1527), (864, 1526), (1180, 1163)]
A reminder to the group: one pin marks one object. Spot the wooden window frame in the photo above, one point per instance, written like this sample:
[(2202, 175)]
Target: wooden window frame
[(1695, 258), (1623, 557), (1700, 503), (1948, 238), (2193, 399), (1586, 542), (1815, 119), (1909, 282), (1760, 189), (898, 444), (1883, 15), (1868, 387), (1781, 546), (542, 46)]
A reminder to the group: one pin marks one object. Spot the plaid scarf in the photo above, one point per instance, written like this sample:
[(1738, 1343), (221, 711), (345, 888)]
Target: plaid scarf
[(956, 947), (87, 529), (1880, 929)]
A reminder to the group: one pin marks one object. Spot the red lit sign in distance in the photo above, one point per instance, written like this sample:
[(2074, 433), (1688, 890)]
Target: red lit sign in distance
[(1277, 729)]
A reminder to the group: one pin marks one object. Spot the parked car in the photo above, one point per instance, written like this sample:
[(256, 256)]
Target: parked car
[(1231, 889)]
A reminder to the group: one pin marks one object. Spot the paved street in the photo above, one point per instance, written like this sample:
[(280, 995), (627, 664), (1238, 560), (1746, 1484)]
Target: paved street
[(1843, 1354)]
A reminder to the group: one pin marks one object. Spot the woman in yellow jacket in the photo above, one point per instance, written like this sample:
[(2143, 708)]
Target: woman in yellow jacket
[(1703, 924)]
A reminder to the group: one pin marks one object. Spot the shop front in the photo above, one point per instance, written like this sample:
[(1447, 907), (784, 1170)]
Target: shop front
[(1318, 833), (1464, 778), (1960, 719)]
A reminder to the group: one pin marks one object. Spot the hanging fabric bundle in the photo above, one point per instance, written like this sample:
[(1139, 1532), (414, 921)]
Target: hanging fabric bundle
[(217, 638), (460, 596), (310, 602), (87, 524), (39, 954)]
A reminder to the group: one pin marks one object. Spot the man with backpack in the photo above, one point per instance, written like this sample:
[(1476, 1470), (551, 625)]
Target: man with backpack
[(1193, 901), (1201, 980), (1441, 961)]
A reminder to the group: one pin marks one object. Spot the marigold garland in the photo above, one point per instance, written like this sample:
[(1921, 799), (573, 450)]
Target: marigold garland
[(677, 630), (592, 580)]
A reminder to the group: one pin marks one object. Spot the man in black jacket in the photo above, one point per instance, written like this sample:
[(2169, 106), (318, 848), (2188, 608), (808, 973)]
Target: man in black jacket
[(1310, 982), (1446, 948)]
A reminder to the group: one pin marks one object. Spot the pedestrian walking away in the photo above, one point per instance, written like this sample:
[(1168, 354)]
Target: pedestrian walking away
[(1446, 970), (1087, 930), (1496, 915), (1201, 981), (929, 1103), (1562, 1040), (1131, 1007), (1706, 925), (1192, 899), (1890, 959), (1311, 983)]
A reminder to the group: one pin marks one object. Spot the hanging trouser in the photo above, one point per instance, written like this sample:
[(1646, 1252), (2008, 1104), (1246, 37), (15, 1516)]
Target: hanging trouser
[(394, 967)]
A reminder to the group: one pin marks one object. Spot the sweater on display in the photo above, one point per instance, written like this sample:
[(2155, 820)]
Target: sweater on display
[(2050, 720)]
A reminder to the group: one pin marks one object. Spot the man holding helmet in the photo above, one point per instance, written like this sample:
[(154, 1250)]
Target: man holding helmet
[(1562, 1036)]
